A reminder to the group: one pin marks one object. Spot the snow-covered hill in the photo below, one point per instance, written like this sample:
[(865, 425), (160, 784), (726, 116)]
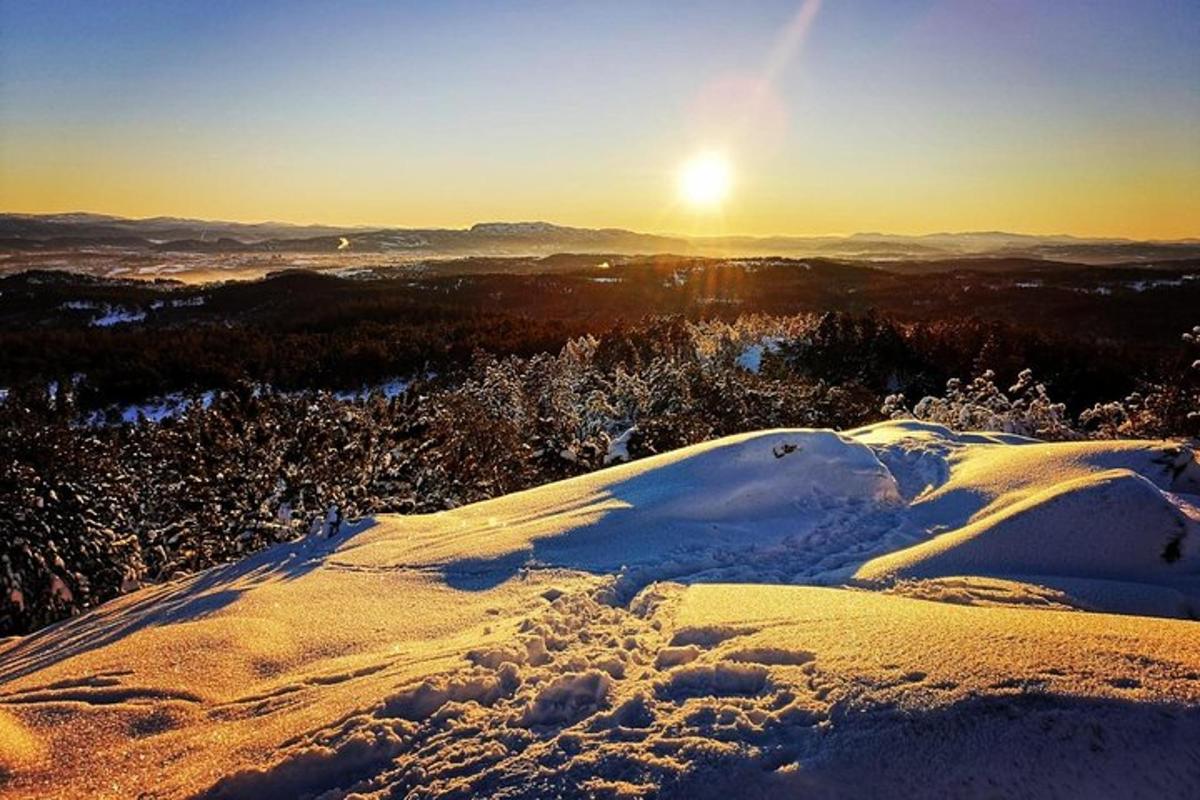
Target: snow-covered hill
[(896, 611)]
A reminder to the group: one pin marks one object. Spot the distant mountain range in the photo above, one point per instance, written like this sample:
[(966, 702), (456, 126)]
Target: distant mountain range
[(24, 232)]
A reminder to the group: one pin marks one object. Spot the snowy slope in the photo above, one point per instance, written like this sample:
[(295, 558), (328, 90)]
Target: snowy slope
[(897, 611)]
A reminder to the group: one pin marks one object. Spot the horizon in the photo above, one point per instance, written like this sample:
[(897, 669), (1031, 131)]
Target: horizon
[(805, 119), (370, 227)]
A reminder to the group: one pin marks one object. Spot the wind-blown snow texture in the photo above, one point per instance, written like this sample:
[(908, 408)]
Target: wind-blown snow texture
[(896, 611)]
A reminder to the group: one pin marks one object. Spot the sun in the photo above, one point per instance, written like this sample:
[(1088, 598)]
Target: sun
[(704, 180)]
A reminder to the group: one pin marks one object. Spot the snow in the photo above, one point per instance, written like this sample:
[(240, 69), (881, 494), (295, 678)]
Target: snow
[(1146, 285), (354, 272), (115, 315), (389, 389), (109, 315), (750, 359), (1135, 528), (404, 242), (180, 302), (517, 228), (172, 405), (618, 447), (900, 610)]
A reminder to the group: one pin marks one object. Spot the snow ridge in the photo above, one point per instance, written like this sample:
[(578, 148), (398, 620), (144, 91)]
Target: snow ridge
[(899, 610)]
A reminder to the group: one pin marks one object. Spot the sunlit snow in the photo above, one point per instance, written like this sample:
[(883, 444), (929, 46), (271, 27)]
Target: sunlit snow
[(895, 611)]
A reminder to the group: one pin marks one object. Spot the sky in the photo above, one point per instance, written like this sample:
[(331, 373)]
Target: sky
[(902, 116)]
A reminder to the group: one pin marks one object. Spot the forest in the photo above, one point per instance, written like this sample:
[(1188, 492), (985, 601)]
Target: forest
[(279, 423)]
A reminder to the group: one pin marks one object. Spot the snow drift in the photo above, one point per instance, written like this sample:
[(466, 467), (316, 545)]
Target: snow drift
[(1115, 526), (746, 617)]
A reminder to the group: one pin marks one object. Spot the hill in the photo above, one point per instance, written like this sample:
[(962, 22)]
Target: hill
[(169, 235), (899, 610)]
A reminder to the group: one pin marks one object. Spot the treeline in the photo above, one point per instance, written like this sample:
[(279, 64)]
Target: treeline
[(128, 364), (301, 330)]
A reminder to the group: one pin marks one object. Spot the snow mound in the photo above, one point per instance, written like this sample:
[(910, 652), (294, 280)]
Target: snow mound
[(756, 476), (638, 632), (1115, 525), (720, 504), (1112, 538)]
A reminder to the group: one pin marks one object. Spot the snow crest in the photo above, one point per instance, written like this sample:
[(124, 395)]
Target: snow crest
[(901, 610)]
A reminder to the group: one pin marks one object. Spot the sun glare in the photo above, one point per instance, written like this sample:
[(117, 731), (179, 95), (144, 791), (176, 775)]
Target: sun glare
[(704, 180)]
